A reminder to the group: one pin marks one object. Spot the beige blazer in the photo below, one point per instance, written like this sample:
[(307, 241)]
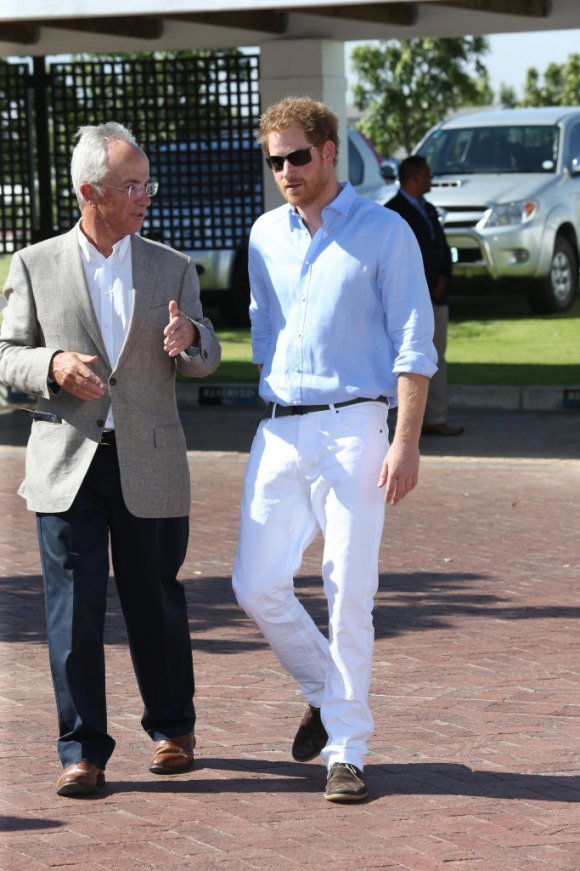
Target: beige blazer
[(49, 309)]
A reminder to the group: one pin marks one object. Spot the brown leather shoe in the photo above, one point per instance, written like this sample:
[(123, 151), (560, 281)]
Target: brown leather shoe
[(80, 778), (311, 736), (441, 429), (345, 783), (173, 755)]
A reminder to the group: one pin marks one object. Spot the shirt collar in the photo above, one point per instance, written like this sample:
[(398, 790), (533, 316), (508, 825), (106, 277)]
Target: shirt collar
[(89, 252), (416, 201), (341, 204)]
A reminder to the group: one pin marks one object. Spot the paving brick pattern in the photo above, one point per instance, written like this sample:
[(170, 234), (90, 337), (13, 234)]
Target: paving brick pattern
[(475, 760)]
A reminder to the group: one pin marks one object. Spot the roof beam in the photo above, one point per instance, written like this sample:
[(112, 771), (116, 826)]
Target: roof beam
[(404, 14), (28, 33), (269, 21), (527, 8), (25, 33), (138, 26)]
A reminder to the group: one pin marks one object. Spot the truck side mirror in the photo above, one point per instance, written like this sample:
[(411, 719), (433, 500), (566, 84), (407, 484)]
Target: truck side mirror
[(389, 171)]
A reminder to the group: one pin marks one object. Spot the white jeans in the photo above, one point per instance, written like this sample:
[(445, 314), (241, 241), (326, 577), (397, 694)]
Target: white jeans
[(307, 473)]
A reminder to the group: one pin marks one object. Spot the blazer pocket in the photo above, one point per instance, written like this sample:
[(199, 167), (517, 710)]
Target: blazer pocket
[(170, 436)]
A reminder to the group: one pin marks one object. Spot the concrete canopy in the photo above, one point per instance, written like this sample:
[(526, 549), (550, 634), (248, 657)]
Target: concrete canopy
[(28, 27)]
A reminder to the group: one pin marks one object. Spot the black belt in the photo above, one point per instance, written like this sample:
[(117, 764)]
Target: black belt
[(107, 437), (275, 410)]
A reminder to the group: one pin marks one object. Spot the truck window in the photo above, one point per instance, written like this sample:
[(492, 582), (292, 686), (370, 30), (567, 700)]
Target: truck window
[(502, 149), (574, 143), (355, 165)]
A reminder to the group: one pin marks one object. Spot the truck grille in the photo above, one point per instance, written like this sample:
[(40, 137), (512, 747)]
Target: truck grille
[(468, 255), (461, 216)]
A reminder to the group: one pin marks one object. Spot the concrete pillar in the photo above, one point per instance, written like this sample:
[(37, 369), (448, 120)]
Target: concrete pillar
[(304, 68)]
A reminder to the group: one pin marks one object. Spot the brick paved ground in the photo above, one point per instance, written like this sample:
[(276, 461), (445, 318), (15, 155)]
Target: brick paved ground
[(475, 761)]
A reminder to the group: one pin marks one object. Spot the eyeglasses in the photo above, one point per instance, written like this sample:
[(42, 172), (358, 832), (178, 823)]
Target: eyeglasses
[(134, 191), (297, 158)]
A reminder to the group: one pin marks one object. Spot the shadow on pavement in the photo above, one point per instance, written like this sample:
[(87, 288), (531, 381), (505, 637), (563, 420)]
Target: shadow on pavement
[(405, 603), (444, 779)]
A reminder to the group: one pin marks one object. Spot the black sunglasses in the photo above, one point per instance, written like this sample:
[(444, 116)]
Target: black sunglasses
[(296, 158)]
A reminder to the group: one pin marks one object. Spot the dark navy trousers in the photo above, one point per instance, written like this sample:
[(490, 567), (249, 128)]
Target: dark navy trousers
[(146, 555)]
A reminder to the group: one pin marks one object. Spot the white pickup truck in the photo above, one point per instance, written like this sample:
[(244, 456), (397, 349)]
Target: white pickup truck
[(507, 188)]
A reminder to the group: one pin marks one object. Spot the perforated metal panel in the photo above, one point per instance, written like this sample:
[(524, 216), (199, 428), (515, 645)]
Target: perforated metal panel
[(195, 116), (16, 187), (196, 119)]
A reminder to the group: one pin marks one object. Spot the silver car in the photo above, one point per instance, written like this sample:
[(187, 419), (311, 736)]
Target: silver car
[(507, 187)]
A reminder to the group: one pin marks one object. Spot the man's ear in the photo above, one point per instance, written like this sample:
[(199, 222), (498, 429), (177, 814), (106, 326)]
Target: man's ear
[(328, 151), (88, 192)]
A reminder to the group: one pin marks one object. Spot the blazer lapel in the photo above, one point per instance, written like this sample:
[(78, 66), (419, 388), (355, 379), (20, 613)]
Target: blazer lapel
[(75, 289), (144, 282)]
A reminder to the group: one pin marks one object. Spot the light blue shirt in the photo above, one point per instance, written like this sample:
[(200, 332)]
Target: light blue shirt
[(338, 315)]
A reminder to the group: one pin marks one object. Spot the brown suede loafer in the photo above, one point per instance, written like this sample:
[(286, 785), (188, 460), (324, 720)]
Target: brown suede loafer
[(311, 736), (345, 783), (80, 778), (173, 755)]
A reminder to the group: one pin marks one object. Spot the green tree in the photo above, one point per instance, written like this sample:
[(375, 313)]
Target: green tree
[(405, 86), (560, 85), (507, 96)]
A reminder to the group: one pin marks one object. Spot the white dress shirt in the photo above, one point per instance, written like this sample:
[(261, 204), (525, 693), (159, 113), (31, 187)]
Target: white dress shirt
[(110, 282)]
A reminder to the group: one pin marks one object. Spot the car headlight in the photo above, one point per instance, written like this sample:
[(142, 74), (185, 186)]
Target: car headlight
[(508, 214)]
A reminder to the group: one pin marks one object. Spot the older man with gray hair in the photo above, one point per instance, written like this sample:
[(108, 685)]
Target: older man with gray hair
[(98, 321)]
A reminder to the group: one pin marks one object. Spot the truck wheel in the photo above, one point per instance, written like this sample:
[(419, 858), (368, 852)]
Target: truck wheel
[(555, 293)]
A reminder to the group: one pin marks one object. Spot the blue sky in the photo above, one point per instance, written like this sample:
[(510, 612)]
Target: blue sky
[(512, 53)]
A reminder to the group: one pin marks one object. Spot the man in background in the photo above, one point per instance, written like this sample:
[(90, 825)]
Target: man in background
[(422, 217)]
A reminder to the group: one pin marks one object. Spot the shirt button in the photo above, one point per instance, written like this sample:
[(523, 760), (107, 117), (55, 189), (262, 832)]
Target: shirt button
[(112, 381), (100, 422)]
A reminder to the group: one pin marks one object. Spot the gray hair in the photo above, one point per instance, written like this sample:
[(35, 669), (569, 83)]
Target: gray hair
[(90, 159)]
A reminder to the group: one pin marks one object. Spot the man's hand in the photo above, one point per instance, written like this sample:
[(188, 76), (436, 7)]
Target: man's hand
[(400, 471), (179, 333), (71, 372)]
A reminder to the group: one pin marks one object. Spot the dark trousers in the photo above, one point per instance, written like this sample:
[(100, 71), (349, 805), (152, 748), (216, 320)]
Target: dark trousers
[(146, 555)]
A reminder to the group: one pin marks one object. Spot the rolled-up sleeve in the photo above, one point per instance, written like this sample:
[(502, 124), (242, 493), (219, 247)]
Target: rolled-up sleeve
[(407, 304)]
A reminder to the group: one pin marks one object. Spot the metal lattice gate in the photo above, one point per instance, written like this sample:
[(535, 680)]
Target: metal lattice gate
[(16, 175), (195, 116)]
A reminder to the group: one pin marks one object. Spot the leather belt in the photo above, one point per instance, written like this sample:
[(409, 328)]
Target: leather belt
[(107, 437), (275, 410)]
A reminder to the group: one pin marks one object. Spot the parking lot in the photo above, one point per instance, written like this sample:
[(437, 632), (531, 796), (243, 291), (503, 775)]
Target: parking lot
[(475, 760)]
